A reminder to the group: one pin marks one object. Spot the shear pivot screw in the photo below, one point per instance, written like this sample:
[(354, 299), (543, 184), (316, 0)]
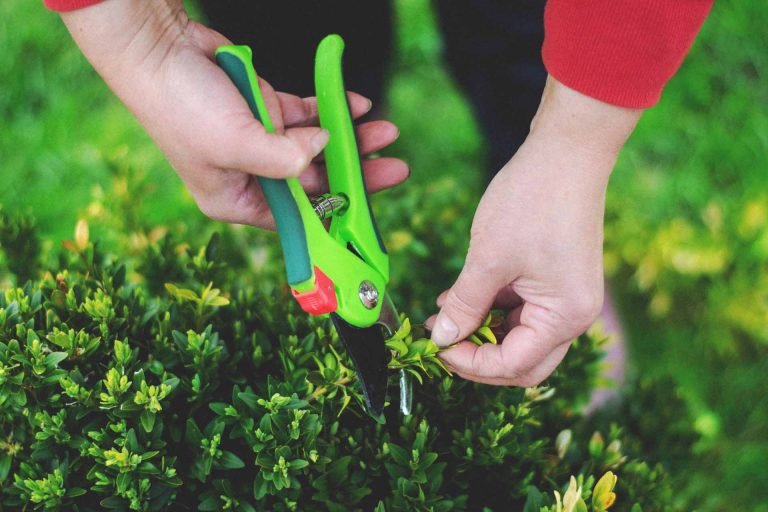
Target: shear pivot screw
[(328, 205), (369, 295)]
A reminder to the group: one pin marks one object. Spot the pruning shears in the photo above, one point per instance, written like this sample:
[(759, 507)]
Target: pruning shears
[(342, 270)]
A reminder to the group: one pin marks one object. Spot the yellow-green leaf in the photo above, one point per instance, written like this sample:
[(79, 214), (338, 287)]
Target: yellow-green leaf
[(218, 301), (603, 496), (81, 234), (487, 333), (181, 293), (474, 339)]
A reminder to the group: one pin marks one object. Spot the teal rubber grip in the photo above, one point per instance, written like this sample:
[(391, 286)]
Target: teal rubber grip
[(236, 62)]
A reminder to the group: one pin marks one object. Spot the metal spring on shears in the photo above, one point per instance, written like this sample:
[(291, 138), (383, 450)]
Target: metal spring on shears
[(328, 205)]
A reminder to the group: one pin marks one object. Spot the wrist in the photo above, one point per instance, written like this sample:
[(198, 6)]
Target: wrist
[(580, 124), (120, 37)]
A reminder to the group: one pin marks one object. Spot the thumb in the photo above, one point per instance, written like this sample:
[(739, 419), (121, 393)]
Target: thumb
[(466, 305)]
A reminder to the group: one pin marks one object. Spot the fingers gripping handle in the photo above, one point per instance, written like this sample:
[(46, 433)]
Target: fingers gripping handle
[(236, 62)]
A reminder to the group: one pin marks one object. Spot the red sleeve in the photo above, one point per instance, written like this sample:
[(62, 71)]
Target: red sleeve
[(622, 52), (68, 5)]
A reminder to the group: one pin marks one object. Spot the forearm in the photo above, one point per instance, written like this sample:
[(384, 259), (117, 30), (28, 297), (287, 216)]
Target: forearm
[(153, 58), (127, 38)]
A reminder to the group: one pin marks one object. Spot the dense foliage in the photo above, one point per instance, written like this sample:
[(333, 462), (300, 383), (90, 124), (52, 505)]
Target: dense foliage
[(214, 393)]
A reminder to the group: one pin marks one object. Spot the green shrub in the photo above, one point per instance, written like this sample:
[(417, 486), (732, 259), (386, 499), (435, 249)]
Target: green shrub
[(20, 246), (213, 392)]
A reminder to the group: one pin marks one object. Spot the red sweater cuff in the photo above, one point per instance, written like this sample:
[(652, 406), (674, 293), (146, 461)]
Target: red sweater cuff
[(622, 52), (68, 5)]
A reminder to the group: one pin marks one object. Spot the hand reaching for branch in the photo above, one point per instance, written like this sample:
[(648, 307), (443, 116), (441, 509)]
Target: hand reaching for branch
[(161, 65), (536, 244)]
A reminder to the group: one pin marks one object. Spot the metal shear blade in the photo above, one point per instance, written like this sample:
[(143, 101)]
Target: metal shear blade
[(368, 351)]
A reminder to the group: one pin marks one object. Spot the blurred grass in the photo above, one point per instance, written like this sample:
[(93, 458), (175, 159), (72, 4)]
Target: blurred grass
[(686, 237), (62, 131), (689, 275)]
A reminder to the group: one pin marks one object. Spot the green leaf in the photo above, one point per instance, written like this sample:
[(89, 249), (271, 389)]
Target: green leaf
[(113, 502), (399, 455), (122, 481), (118, 279), (249, 399), (218, 301), (398, 345), (211, 503), (212, 246), (180, 339), (148, 468), (474, 339), (487, 333), (534, 501), (148, 455), (218, 408), (147, 419), (54, 358), (260, 488), (229, 460), (193, 433), (59, 299), (75, 492), (246, 507), (5, 465), (181, 293), (131, 442), (298, 464), (173, 382), (344, 404)]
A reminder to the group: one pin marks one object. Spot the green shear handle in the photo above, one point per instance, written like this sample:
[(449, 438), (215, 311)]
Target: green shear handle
[(326, 267)]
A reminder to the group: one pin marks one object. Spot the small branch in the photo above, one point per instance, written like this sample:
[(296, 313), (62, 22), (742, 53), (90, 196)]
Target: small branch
[(317, 393)]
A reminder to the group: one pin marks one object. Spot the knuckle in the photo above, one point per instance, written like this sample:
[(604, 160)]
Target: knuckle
[(483, 259), (459, 305), (584, 309), (297, 163), (310, 108)]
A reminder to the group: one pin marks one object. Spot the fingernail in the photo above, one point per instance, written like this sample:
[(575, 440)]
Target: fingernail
[(370, 105), (319, 141), (445, 331)]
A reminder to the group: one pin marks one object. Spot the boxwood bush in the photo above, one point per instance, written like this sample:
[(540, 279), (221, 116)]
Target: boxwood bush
[(178, 378)]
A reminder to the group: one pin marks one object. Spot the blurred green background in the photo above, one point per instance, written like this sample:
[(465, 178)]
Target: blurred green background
[(686, 226)]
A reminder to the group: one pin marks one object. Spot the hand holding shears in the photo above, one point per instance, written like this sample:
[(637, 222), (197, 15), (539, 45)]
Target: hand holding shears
[(342, 270)]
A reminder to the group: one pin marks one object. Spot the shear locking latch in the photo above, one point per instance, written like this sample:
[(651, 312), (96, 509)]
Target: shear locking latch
[(321, 299)]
